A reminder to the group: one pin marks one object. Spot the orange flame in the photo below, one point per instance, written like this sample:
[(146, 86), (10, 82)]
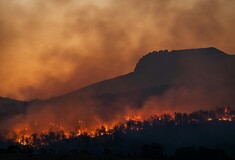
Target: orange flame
[(25, 134)]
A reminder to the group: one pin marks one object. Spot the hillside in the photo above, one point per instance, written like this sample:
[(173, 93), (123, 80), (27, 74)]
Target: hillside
[(178, 80), (207, 71)]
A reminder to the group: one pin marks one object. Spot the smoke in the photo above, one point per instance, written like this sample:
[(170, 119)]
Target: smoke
[(50, 48), (54, 47)]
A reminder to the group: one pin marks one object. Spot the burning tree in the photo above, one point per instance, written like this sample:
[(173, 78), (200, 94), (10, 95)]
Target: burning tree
[(105, 133)]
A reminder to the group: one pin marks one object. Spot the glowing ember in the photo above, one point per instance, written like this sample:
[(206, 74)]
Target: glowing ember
[(54, 133), (209, 119)]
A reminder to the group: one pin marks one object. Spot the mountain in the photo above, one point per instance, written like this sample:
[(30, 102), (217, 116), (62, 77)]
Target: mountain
[(11, 107), (190, 78), (207, 69)]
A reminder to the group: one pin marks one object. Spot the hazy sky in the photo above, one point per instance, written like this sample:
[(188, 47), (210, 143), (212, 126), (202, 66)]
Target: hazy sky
[(51, 47)]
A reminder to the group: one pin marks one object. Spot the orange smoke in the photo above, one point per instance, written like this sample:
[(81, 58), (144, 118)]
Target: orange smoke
[(49, 48)]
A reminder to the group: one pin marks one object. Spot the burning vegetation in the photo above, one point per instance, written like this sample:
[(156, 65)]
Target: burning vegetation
[(38, 137)]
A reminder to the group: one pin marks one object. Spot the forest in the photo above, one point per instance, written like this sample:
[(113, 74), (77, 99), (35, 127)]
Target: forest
[(196, 135)]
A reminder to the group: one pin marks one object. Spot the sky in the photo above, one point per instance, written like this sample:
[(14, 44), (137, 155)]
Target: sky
[(49, 48)]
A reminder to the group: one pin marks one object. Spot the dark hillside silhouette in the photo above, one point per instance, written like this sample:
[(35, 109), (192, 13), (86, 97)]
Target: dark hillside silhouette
[(181, 80)]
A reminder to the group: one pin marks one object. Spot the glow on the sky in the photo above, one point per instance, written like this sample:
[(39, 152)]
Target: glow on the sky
[(46, 44)]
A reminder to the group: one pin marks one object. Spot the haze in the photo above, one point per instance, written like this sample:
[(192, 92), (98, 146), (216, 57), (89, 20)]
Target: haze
[(49, 48)]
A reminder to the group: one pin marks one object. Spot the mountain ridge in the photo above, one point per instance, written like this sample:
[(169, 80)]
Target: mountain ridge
[(161, 72), (159, 53), (193, 77)]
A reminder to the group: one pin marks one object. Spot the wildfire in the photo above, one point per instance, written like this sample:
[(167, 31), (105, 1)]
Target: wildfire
[(135, 118), (209, 119), (24, 139), (31, 137)]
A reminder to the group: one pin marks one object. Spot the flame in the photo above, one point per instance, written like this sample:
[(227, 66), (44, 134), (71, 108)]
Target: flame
[(209, 119), (25, 134)]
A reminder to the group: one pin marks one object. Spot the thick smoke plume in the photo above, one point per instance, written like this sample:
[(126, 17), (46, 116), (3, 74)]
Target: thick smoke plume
[(52, 47)]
